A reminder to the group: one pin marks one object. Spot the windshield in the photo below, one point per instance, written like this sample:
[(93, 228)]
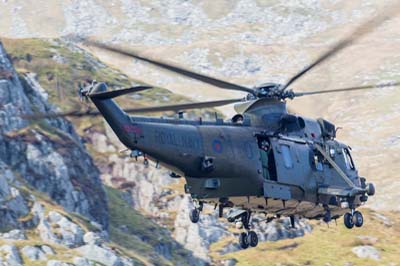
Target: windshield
[(348, 160)]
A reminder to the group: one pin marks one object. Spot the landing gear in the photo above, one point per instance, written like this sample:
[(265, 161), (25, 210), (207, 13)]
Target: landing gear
[(358, 219), (348, 220), (352, 219), (248, 239), (243, 241), (252, 238), (194, 214), (242, 219)]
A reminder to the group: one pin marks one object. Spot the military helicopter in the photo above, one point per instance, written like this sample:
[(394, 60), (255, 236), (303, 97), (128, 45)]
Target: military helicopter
[(264, 159)]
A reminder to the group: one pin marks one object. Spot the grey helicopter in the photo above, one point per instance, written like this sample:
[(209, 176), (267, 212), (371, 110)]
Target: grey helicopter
[(263, 160)]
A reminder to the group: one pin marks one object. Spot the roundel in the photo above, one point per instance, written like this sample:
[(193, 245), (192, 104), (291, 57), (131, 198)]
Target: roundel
[(217, 146)]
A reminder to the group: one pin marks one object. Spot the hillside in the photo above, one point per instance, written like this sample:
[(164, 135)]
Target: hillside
[(54, 207), (267, 41)]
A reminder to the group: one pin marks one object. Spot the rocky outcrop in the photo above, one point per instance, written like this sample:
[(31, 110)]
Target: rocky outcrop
[(12, 204), (9, 255), (56, 228), (47, 154), (103, 255), (198, 236)]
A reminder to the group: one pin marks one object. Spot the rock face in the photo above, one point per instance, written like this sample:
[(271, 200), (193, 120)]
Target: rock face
[(9, 255), (47, 154), (103, 255), (56, 228)]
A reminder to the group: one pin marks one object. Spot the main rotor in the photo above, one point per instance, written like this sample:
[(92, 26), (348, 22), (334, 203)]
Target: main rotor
[(274, 91)]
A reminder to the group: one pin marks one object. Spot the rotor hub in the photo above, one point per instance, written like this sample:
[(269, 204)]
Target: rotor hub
[(273, 91)]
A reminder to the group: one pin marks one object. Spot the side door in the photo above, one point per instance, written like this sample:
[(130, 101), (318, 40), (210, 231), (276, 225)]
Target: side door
[(293, 163)]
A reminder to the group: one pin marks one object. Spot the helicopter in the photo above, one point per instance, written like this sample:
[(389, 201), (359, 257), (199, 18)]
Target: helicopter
[(264, 159)]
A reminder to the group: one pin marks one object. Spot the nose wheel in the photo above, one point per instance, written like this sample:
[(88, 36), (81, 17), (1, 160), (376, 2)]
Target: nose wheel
[(352, 219)]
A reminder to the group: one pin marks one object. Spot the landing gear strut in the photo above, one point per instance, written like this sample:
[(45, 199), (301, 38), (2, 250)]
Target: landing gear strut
[(248, 238), (352, 219), (194, 214)]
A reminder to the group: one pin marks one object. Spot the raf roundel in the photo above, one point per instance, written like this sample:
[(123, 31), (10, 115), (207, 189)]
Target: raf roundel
[(217, 146)]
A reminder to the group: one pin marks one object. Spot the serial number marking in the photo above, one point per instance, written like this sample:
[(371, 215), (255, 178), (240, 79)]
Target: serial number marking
[(177, 140)]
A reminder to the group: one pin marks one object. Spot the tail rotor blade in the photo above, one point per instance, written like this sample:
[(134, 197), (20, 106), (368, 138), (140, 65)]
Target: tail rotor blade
[(116, 93)]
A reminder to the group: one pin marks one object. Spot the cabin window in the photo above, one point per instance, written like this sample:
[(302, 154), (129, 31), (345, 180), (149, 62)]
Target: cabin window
[(348, 160), (287, 156)]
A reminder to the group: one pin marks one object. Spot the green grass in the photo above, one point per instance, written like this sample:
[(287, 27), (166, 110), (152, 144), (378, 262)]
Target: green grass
[(139, 234)]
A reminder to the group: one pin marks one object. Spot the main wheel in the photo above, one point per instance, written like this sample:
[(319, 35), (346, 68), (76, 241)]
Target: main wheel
[(243, 241), (252, 238), (358, 219), (348, 220), (194, 216)]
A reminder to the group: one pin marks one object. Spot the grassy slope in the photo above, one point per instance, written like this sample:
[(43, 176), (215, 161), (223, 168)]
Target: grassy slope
[(326, 245)]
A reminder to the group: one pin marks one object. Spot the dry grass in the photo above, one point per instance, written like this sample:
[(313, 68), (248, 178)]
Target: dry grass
[(325, 245)]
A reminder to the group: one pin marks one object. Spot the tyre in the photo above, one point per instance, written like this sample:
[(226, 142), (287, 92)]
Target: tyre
[(358, 219), (243, 242), (194, 216), (370, 189), (252, 238), (348, 220)]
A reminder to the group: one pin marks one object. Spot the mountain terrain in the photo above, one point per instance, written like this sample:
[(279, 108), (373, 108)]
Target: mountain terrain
[(268, 41)]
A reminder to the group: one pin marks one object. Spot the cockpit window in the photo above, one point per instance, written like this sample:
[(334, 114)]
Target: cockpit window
[(348, 160), (287, 157)]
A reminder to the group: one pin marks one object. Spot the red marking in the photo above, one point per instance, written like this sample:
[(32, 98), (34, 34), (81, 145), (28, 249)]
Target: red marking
[(132, 129)]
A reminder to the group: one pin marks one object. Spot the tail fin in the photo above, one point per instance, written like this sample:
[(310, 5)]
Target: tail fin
[(112, 113)]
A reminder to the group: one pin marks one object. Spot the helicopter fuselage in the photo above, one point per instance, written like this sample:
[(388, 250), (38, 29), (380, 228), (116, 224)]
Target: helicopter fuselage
[(224, 162)]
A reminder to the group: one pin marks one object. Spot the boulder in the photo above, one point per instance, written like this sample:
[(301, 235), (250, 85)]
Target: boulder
[(14, 235), (58, 263), (33, 253), (56, 228), (103, 255), (92, 238), (79, 261), (47, 250), (10, 255), (366, 252)]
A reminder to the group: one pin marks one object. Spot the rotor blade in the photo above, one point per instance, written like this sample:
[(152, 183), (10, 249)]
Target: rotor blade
[(366, 87), (174, 107), (359, 32), (183, 106), (37, 116), (176, 69), (116, 93)]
